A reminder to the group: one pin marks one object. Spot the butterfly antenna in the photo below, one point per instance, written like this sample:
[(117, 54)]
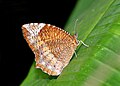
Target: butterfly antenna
[(76, 34), (75, 25)]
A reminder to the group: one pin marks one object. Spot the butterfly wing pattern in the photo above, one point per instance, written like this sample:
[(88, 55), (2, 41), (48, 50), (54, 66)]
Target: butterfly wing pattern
[(52, 46)]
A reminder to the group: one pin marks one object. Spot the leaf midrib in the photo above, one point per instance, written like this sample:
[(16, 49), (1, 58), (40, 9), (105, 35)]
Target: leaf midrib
[(98, 20)]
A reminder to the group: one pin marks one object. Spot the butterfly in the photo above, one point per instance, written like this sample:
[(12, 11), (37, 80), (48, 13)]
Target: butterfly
[(53, 47)]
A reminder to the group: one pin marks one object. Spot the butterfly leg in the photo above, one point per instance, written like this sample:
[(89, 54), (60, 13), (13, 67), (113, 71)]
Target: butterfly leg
[(83, 43)]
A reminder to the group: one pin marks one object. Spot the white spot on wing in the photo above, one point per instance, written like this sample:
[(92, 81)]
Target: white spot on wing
[(35, 23), (43, 63), (37, 67), (31, 24), (49, 67), (48, 24)]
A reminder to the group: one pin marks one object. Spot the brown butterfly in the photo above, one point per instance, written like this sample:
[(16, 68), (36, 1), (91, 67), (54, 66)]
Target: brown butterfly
[(52, 46)]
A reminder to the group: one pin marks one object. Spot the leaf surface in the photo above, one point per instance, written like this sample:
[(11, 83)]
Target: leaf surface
[(98, 65)]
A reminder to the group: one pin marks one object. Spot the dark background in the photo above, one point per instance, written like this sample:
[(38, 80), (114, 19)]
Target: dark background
[(16, 57)]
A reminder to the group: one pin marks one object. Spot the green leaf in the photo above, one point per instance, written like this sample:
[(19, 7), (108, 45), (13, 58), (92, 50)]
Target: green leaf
[(98, 65)]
